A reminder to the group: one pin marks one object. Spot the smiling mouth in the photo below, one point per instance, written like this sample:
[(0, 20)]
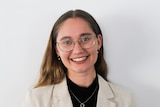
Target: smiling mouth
[(79, 59)]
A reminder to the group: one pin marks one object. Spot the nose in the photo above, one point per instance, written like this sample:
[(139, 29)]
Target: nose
[(77, 48)]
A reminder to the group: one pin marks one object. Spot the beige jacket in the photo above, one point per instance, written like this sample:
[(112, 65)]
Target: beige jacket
[(57, 95)]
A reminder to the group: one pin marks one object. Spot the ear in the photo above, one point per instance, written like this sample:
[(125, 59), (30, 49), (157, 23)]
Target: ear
[(99, 37), (57, 51)]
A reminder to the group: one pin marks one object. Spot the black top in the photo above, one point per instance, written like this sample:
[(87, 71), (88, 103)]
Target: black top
[(83, 93)]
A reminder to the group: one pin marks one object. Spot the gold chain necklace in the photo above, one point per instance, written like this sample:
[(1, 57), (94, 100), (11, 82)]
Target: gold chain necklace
[(82, 104)]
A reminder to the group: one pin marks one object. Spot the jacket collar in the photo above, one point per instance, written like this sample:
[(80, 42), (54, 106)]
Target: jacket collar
[(61, 96), (105, 94)]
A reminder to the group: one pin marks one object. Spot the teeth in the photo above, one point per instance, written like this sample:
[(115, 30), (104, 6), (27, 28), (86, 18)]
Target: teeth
[(79, 59)]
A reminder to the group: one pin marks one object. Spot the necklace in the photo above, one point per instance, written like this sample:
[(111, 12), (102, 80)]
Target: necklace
[(82, 104)]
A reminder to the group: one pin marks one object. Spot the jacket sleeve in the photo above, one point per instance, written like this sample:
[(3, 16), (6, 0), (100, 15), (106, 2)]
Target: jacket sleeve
[(29, 100), (123, 97), (39, 97)]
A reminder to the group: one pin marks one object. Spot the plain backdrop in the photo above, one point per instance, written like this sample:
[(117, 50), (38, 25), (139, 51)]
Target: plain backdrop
[(131, 31)]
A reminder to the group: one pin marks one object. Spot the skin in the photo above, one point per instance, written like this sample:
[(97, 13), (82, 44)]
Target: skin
[(79, 62)]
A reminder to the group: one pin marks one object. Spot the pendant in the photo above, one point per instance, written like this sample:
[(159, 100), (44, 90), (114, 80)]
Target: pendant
[(82, 105)]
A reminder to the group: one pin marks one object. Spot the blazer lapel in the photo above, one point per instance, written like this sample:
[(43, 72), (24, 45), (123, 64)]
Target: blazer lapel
[(61, 96), (105, 94)]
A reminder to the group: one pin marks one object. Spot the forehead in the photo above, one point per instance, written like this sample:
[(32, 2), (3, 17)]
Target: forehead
[(74, 28)]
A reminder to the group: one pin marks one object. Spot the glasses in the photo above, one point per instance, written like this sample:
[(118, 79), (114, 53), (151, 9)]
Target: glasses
[(85, 42)]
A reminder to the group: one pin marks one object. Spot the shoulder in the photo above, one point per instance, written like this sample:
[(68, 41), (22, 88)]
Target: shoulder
[(120, 91), (115, 88), (44, 91), (120, 94), (38, 96)]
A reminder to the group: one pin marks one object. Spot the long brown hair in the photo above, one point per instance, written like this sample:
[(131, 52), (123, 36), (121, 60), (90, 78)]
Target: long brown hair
[(52, 70)]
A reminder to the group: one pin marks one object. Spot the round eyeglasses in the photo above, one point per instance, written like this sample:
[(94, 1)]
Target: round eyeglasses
[(85, 42)]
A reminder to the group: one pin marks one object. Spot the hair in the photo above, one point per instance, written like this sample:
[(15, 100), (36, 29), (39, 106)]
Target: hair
[(52, 70)]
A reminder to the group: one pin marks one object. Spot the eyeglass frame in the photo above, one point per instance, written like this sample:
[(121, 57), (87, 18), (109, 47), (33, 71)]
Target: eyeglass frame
[(79, 42)]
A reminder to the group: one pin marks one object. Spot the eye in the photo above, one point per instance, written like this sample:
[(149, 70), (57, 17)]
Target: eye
[(66, 42), (85, 39)]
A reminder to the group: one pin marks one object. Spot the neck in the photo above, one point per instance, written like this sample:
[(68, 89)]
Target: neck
[(82, 80)]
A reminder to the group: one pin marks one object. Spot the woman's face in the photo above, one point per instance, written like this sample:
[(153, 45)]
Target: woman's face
[(79, 59)]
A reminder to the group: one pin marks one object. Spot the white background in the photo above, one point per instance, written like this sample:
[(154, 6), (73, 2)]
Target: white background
[(131, 30)]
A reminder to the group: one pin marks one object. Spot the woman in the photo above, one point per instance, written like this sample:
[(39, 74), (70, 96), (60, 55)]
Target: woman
[(74, 71)]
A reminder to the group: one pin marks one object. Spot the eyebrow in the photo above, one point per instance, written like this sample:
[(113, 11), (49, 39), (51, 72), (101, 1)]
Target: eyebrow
[(84, 34), (68, 37)]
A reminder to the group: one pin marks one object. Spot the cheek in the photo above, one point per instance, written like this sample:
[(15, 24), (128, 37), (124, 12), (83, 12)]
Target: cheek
[(95, 49), (60, 53), (94, 53), (64, 57)]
